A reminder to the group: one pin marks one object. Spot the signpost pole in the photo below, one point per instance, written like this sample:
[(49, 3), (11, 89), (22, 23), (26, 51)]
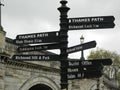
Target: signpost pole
[(64, 42)]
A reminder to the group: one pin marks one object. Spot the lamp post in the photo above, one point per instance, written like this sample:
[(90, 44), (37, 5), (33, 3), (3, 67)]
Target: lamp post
[(0, 14), (82, 53)]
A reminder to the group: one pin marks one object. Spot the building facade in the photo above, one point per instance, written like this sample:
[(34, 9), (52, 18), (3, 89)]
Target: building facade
[(36, 75), (15, 75)]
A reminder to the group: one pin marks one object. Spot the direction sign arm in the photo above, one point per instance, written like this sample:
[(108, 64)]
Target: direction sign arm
[(97, 19), (37, 35), (39, 47), (80, 47)]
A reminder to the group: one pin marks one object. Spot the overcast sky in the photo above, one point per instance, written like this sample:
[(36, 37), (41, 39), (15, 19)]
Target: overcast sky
[(34, 16)]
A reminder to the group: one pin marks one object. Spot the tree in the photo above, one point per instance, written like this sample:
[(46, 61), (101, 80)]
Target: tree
[(118, 75), (103, 54)]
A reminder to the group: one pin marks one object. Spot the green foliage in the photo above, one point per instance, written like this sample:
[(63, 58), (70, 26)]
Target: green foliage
[(102, 54)]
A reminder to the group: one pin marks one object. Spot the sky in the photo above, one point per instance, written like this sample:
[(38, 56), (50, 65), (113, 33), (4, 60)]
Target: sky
[(35, 16)]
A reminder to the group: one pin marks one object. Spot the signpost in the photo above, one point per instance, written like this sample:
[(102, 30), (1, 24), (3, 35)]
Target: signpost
[(36, 57), (70, 69), (81, 47)]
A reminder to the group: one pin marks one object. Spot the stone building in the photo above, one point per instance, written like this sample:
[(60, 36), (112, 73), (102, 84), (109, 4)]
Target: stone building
[(15, 75), (36, 75)]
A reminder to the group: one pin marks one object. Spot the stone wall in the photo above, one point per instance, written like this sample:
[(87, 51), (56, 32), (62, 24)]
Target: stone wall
[(23, 75), (2, 71), (2, 40)]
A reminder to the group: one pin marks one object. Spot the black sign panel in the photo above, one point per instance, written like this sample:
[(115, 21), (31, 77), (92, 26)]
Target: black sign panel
[(36, 57), (35, 40), (88, 63), (91, 26), (37, 35), (84, 69), (87, 74), (39, 47), (81, 47), (98, 19)]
